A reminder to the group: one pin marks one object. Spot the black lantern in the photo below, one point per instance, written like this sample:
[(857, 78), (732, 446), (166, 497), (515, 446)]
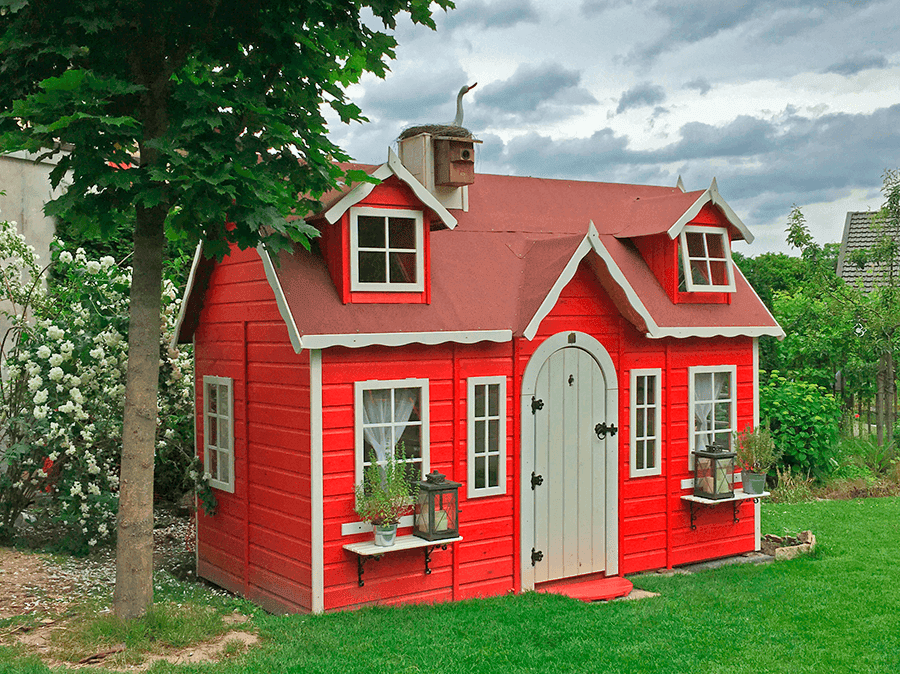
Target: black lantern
[(437, 508), (714, 472)]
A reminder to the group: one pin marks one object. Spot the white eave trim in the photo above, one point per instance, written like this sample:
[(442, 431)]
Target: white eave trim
[(187, 293), (718, 331), (710, 195), (393, 167), (591, 242), (280, 299), (360, 340)]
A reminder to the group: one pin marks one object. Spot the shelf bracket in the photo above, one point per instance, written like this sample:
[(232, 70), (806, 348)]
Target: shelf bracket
[(428, 551), (360, 561)]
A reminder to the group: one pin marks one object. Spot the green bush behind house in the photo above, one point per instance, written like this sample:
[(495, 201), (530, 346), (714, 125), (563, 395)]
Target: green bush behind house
[(804, 419)]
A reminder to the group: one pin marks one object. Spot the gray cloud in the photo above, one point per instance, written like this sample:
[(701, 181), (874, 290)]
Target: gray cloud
[(701, 84), (857, 63), (415, 96), (641, 95), (499, 14)]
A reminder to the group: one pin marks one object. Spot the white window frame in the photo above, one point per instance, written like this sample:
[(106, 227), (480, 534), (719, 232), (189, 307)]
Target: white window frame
[(375, 384), (652, 433), (224, 453), (692, 373), (690, 284), (471, 418), (355, 283)]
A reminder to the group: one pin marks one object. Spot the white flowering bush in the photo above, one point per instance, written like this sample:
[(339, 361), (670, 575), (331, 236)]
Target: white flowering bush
[(64, 394)]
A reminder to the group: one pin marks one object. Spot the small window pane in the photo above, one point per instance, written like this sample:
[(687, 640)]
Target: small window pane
[(224, 474), (695, 244), (213, 438), (714, 246), (640, 394), (493, 435), (412, 442), (213, 463), (480, 482), (223, 433), (223, 398), (723, 385), (403, 267), (651, 390), (699, 272), (372, 267), (650, 449), (479, 399), (718, 272), (494, 400), (370, 230), (402, 233), (211, 398), (639, 422), (651, 421), (494, 470), (406, 405), (479, 437)]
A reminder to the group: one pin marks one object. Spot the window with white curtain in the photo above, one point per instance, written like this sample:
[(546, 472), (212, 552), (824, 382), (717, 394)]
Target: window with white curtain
[(391, 416), (486, 415), (712, 401), (218, 432), (645, 422)]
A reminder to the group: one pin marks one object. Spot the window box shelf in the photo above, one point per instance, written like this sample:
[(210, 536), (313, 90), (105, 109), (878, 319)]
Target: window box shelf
[(739, 495), (367, 550)]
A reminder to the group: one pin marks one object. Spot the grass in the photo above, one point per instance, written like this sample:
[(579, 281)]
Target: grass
[(836, 611)]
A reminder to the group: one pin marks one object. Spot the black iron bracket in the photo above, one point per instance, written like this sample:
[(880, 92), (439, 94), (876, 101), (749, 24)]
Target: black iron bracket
[(536, 404), (734, 506), (602, 429), (360, 560), (428, 551)]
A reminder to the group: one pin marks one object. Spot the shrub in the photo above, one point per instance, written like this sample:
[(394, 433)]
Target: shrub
[(792, 487), (804, 419)]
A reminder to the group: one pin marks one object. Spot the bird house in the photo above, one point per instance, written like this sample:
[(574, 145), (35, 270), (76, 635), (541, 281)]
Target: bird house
[(454, 161)]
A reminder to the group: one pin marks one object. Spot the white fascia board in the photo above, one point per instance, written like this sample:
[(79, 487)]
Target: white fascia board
[(419, 190), (553, 296), (187, 293), (710, 195), (393, 167), (619, 277), (280, 299), (357, 194), (717, 331), (356, 341)]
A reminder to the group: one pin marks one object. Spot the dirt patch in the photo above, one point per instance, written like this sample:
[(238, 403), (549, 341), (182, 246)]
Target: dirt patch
[(36, 591)]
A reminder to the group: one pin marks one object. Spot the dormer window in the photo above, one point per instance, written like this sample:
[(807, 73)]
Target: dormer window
[(705, 260), (386, 250)]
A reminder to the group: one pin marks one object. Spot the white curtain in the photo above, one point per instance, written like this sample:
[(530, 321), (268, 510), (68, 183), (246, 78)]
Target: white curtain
[(703, 407), (386, 429)]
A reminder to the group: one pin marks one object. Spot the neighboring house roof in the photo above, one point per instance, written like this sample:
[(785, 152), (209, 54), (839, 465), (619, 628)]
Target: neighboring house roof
[(861, 232), (499, 270)]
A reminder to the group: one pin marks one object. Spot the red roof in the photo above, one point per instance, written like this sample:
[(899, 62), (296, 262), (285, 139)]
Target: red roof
[(501, 269)]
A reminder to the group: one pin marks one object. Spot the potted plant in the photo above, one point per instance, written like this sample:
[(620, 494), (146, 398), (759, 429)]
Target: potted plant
[(386, 494), (756, 454)]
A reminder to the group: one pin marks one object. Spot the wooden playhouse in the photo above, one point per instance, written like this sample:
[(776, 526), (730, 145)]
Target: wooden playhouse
[(495, 325)]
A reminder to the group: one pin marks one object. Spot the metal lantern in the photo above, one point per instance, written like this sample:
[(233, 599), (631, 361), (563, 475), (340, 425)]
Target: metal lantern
[(437, 508), (714, 472)]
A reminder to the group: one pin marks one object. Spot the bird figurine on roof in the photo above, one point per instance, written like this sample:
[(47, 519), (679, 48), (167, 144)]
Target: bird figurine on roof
[(454, 128), (458, 120)]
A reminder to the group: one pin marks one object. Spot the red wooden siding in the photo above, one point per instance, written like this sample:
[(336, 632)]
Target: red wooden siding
[(654, 523), (480, 565), (258, 543)]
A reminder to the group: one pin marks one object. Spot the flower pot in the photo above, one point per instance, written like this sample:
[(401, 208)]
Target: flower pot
[(385, 535), (754, 483)]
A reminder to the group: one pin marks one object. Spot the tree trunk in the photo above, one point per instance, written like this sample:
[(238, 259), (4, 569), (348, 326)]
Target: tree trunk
[(880, 400), (134, 554)]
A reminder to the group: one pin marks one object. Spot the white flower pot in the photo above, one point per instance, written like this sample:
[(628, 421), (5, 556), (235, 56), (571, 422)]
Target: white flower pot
[(385, 535)]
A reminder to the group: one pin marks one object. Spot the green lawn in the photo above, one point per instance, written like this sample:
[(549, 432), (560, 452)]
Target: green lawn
[(838, 611)]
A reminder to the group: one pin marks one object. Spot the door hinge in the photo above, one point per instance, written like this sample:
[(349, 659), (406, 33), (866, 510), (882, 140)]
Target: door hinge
[(536, 480), (602, 429), (536, 556), (536, 404)]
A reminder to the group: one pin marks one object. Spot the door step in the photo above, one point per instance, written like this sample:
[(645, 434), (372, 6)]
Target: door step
[(592, 589)]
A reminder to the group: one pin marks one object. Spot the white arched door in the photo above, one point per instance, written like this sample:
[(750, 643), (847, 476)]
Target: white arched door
[(569, 496)]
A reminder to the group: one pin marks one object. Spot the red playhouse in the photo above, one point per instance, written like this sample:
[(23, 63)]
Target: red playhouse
[(558, 347)]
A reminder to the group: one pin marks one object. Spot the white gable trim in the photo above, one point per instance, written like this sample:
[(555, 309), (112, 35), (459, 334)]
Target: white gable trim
[(187, 293), (359, 340), (591, 242), (280, 299), (711, 195), (393, 167)]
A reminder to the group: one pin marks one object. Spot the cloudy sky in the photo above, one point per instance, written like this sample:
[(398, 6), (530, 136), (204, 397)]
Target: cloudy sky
[(784, 103)]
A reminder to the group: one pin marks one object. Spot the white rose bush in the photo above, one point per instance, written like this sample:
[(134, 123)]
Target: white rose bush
[(63, 394)]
